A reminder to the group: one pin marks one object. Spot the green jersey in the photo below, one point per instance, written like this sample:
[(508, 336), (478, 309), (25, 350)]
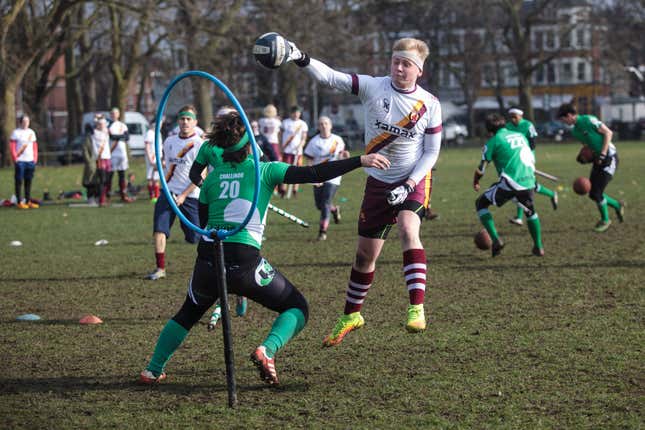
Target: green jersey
[(586, 131), (525, 127), (513, 158), (209, 155), (228, 191)]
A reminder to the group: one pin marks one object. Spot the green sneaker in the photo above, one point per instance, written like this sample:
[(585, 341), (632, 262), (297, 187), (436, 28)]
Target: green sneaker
[(344, 325), (416, 319), (602, 226)]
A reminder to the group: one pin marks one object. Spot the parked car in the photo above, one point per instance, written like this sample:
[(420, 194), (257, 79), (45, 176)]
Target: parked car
[(69, 152), (553, 130), (454, 132), (137, 127)]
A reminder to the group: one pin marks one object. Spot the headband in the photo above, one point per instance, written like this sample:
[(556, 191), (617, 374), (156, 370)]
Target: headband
[(410, 55), (239, 145), (515, 111), (187, 113)]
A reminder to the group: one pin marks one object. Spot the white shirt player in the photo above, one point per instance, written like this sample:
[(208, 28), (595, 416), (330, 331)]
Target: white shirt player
[(292, 133), (175, 131), (119, 153), (101, 142), (25, 139), (270, 127), (149, 141), (323, 149), (404, 126), (179, 154)]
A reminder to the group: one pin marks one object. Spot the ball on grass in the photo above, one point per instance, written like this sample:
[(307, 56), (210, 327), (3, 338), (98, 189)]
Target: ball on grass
[(582, 186), (483, 240)]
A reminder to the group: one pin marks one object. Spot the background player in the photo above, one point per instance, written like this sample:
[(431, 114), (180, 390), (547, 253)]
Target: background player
[(591, 132), (152, 175), (224, 202), (403, 123), (519, 124), (294, 137), (515, 164), (322, 148), (119, 137), (24, 153), (179, 152)]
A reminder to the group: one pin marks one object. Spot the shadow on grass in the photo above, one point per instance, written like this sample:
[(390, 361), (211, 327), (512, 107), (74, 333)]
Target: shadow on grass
[(78, 278), (125, 321), (590, 265), (68, 384)]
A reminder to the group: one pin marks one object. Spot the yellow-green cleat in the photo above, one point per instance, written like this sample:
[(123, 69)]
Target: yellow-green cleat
[(344, 325), (416, 319), (602, 226)]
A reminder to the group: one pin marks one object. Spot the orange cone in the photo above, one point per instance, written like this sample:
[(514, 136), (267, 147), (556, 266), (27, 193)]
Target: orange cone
[(90, 319)]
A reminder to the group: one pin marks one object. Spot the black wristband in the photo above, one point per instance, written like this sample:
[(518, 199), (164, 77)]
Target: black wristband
[(304, 61)]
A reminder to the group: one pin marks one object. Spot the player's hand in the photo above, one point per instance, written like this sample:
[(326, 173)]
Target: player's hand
[(179, 199), (476, 177), (375, 160), (476, 186), (603, 160), (399, 194), (294, 54)]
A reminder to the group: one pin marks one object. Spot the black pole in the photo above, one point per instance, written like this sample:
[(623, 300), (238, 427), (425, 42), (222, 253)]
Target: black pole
[(226, 324)]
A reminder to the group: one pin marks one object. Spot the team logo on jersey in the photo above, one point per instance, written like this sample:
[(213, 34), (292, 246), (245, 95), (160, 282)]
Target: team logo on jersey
[(386, 105), (264, 273), (413, 117)]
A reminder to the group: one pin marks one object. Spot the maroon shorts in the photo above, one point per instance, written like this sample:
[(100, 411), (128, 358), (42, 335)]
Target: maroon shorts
[(104, 164), (278, 150), (292, 159), (377, 217)]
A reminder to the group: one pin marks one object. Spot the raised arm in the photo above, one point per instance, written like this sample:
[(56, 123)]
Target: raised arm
[(326, 171)]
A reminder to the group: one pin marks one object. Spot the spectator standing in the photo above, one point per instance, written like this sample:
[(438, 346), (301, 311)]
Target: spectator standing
[(24, 152)]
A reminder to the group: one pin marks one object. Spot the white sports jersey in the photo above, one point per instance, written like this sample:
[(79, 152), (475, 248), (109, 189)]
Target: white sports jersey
[(149, 140), (25, 139), (175, 131), (269, 127), (292, 131), (101, 139), (179, 155), (119, 154), (323, 149), (403, 126)]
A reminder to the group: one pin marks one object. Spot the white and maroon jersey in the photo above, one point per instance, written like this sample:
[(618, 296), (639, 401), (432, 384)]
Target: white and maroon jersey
[(149, 141), (179, 154), (324, 149), (404, 126), (292, 132), (25, 139), (118, 128), (269, 128), (101, 144)]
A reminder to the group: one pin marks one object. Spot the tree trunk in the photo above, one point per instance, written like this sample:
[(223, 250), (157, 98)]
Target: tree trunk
[(525, 91), (202, 96), (8, 120)]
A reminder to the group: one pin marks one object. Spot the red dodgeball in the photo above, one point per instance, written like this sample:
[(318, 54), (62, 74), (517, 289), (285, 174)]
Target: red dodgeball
[(483, 240), (582, 186), (585, 155)]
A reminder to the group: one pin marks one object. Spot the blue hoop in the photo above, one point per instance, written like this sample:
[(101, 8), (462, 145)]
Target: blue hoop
[(222, 233)]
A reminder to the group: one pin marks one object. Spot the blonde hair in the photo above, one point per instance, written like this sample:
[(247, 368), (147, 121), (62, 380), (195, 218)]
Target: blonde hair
[(410, 44), (270, 111)]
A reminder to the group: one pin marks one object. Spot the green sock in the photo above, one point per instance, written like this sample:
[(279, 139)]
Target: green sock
[(535, 229), (540, 189), (487, 221), (602, 207), (612, 202), (520, 213), (288, 324), (169, 340)]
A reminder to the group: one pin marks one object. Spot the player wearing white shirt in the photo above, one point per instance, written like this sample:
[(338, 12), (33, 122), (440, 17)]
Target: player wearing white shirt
[(118, 138), (294, 136), (101, 152), (179, 152), (322, 148), (403, 123), (270, 128), (24, 152), (152, 175)]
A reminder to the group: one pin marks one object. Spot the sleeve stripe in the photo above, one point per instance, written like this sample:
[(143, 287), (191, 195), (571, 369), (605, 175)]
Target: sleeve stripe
[(433, 130), (354, 84)]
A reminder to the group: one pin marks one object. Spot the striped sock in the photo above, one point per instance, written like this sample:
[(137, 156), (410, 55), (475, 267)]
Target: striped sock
[(359, 284), (414, 270)]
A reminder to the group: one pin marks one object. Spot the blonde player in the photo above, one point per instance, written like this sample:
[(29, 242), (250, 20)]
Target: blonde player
[(322, 148), (118, 147), (103, 156), (294, 136), (270, 128), (179, 153), (152, 175), (403, 123), (24, 153)]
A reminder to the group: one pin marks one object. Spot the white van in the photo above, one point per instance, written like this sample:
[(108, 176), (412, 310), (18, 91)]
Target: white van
[(137, 127)]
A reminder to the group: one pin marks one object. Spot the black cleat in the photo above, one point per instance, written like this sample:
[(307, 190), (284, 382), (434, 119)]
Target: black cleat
[(538, 252), (620, 212), (498, 245), (336, 215), (554, 200)]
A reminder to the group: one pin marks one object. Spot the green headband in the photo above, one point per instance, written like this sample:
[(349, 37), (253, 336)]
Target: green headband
[(239, 145), (187, 113)]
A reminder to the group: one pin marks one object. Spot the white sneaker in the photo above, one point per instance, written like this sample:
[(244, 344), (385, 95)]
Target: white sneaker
[(516, 221), (156, 274)]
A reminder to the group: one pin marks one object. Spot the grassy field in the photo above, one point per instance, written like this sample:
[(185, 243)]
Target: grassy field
[(517, 342)]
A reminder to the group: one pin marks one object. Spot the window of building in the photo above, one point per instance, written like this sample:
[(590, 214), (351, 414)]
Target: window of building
[(538, 40), (566, 72), (538, 76), (550, 73), (549, 39), (581, 72)]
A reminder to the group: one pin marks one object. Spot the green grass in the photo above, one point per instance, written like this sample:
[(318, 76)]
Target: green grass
[(514, 342)]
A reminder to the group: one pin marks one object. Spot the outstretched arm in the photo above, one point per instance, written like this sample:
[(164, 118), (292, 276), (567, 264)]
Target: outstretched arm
[(326, 171), (321, 72)]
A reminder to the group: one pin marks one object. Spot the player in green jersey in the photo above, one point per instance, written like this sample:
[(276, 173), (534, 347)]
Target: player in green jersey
[(518, 123), (225, 200), (515, 165), (591, 132)]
